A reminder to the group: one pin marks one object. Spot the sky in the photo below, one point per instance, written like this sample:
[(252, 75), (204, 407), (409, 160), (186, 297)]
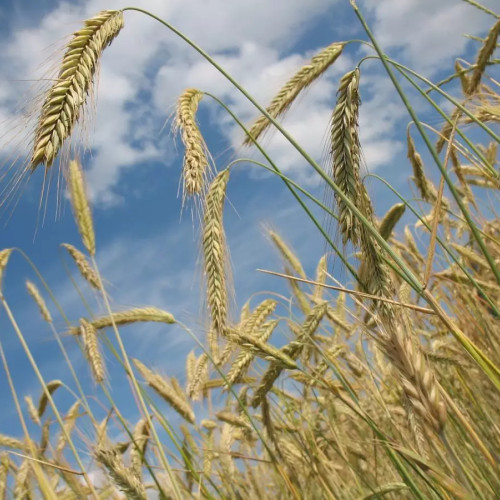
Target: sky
[(147, 247)]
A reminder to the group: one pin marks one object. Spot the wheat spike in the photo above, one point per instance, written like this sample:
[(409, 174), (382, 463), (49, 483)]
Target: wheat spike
[(391, 218), (92, 350), (123, 477), (69, 424), (32, 410), (65, 99), (425, 187), (37, 297), (4, 471), (287, 253), (138, 451), (10, 442), (42, 402), (136, 315), (242, 362), (200, 376), (302, 79), (4, 259), (345, 152), (83, 265), (168, 393), (483, 56), (195, 166), (215, 252), (22, 485), (81, 209)]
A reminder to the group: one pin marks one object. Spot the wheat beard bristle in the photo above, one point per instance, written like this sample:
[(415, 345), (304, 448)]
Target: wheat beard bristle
[(65, 99)]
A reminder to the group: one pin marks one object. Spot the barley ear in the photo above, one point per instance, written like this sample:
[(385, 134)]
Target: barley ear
[(215, 253), (301, 80), (81, 208), (42, 403), (65, 100)]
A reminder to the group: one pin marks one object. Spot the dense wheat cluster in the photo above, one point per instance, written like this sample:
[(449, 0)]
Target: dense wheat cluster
[(385, 386)]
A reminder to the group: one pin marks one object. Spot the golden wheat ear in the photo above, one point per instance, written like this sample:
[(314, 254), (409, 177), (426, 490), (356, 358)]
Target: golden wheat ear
[(292, 88), (65, 99)]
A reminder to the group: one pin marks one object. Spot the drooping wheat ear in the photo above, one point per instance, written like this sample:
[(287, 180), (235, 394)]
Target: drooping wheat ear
[(345, 152), (10, 442), (292, 350), (200, 376), (168, 393), (92, 349), (136, 315), (417, 379), (4, 259), (140, 436), (234, 420), (69, 424), (196, 166), (22, 485), (425, 187), (81, 208), (32, 410), (65, 99), (4, 471), (391, 218), (240, 366), (215, 253), (83, 265), (121, 475), (462, 74), (302, 79), (42, 402), (287, 253), (321, 273), (37, 297), (483, 56)]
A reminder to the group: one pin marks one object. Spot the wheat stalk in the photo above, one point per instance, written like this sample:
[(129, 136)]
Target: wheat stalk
[(81, 209), (215, 252), (195, 166), (66, 98), (301, 80)]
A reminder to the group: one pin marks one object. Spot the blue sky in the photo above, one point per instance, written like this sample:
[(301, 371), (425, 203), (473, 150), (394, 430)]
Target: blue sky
[(147, 253)]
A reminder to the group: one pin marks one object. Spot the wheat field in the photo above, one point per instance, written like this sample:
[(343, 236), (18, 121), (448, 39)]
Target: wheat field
[(383, 384)]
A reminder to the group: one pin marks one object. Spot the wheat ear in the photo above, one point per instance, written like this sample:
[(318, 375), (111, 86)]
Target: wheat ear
[(136, 315), (287, 253), (169, 394), (42, 402), (140, 435), (37, 297), (483, 56), (215, 252), (123, 478), (4, 259), (345, 152), (92, 350), (65, 99), (4, 471), (83, 265), (195, 166), (425, 187), (81, 208), (22, 485), (302, 79)]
